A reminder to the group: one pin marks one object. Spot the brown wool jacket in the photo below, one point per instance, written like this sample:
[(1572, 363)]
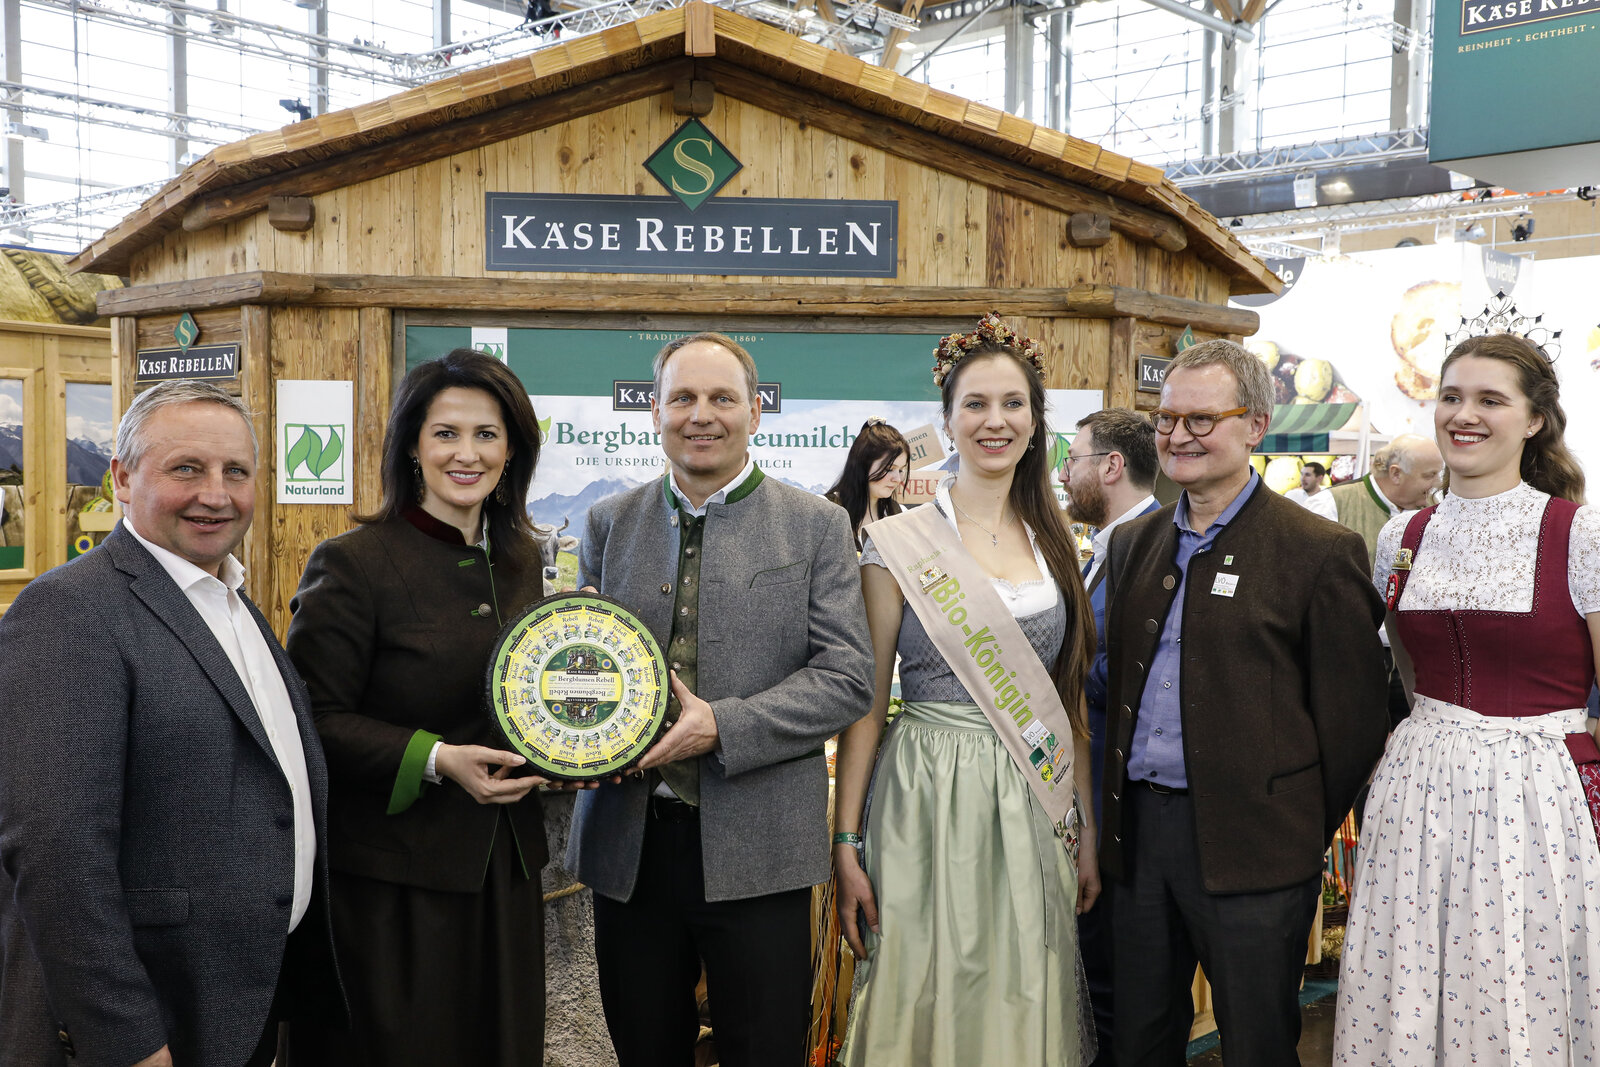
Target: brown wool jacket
[(390, 636), (1283, 686)]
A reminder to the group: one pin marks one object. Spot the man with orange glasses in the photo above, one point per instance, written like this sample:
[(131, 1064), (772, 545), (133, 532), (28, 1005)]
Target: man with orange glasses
[(1245, 708)]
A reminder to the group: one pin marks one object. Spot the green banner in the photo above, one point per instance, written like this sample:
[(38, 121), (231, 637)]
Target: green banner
[(1515, 76), (815, 366)]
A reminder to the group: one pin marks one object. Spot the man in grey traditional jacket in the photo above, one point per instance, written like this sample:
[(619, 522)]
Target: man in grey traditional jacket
[(751, 588)]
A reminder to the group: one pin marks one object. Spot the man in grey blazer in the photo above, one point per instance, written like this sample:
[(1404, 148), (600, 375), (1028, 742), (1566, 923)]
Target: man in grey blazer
[(162, 791), (751, 587)]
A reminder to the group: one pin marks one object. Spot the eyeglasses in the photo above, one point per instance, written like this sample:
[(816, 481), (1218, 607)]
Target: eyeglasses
[(1087, 455), (1198, 423)]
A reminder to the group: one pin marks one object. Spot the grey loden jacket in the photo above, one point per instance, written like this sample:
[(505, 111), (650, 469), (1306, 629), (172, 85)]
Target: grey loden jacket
[(784, 660)]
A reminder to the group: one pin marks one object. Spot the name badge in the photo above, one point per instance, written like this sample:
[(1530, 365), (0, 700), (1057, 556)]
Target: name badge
[(1225, 585), (1035, 733)]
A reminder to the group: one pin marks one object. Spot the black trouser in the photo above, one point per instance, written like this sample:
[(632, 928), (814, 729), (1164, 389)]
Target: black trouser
[(1398, 711), (1251, 945), (1095, 948), (757, 956)]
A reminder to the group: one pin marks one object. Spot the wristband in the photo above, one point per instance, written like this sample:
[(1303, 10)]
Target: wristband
[(845, 837)]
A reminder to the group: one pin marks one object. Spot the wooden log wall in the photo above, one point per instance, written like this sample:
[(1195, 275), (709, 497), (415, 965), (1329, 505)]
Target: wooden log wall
[(353, 344), (969, 221), (403, 229), (45, 358)]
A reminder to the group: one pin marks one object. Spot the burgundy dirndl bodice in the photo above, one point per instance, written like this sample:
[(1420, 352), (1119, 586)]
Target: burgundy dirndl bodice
[(1509, 663)]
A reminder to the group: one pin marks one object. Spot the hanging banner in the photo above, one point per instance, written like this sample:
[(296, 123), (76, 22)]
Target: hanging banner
[(1397, 311), (1510, 81), (817, 389)]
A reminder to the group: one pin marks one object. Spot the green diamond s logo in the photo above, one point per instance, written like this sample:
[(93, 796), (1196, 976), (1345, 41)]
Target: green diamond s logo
[(186, 333), (693, 164)]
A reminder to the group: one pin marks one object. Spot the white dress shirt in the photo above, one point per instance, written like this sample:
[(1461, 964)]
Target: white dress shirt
[(1100, 544), (715, 498), (220, 605), (1322, 503), (1394, 509)]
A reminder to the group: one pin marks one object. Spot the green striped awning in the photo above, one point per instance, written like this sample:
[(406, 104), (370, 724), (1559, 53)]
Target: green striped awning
[(1310, 418), (1299, 429)]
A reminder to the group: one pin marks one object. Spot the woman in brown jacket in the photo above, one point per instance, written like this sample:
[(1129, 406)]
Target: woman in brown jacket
[(434, 842)]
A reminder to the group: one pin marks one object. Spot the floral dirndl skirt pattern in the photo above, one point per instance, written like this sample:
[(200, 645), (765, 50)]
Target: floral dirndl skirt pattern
[(1474, 930)]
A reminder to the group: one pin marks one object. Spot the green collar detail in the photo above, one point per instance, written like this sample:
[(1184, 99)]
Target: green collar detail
[(1372, 490), (736, 494)]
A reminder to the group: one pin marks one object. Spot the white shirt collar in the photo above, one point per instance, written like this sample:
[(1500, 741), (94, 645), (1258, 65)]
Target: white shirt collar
[(715, 498), (185, 574), (1102, 537), (1394, 509)]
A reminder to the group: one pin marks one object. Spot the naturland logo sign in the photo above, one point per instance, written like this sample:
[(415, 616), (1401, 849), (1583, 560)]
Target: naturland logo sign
[(692, 231)]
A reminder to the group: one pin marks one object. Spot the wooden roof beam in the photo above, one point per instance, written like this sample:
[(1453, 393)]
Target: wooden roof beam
[(699, 29), (937, 152), (243, 200), (1253, 12), (500, 293), (898, 36)]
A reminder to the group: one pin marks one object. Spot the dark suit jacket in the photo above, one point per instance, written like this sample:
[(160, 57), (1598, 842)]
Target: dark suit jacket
[(1283, 685), (1094, 685), (389, 635), (784, 660), (146, 831)]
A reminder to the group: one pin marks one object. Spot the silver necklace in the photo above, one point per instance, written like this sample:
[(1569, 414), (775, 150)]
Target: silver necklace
[(994, 538)]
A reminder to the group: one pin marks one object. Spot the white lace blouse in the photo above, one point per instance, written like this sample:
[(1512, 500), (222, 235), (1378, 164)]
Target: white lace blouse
[(1480, 554)]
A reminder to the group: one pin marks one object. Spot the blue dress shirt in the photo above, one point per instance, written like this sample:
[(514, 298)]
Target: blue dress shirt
[(1156, 754)]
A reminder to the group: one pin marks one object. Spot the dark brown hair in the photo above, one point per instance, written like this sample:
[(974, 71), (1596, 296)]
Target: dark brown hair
[(1547, 464), (871, 455), (510, 532), (1131, 435), (1032, 499)]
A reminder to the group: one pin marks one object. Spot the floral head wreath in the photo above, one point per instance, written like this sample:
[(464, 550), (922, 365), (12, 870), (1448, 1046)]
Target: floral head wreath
[(991, 333)]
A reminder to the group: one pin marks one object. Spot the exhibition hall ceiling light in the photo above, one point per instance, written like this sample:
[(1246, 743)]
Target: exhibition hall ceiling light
[(1305, 190), (18, 131)]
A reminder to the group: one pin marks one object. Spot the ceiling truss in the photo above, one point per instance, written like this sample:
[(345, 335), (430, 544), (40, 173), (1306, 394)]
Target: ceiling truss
[(859, 27)]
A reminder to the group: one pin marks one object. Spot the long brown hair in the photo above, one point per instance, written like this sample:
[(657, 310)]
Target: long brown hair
[(872, 453), (510, 531), (1547, 464), (1032, 499)]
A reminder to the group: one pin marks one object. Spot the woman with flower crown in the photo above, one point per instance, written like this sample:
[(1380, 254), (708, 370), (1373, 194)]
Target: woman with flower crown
[(1474, 930), (958, 879)]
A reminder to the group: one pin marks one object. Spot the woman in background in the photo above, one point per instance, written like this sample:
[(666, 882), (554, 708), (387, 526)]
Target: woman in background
[(1473, 933), (874, 473), (435, 845)]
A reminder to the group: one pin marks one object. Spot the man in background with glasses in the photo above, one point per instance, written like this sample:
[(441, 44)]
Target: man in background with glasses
[(1245, 700), (1109, 474)]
